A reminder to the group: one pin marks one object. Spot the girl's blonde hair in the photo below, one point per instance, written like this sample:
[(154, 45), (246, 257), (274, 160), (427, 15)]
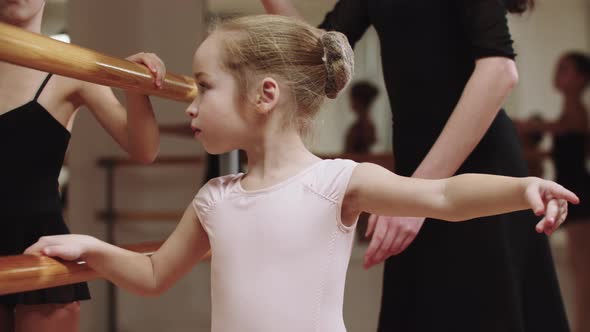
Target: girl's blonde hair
[(311, 62)]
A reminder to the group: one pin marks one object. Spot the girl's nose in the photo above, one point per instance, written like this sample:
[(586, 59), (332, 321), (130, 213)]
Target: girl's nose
[(192, 111)]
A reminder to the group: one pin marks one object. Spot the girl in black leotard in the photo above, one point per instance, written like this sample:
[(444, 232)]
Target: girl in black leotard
[(570, 146), (36, 115)]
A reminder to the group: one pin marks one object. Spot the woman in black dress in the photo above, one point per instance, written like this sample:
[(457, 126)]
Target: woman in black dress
[(448, 67), (36, 115), (570, 145)]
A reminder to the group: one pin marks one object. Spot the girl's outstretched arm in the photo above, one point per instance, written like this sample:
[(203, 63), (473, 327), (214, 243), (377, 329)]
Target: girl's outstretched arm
[(140, 274), (376, 190)]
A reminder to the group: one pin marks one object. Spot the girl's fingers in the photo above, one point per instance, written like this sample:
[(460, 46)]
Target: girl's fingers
[(558, 191), (533, 196), (552, 211)]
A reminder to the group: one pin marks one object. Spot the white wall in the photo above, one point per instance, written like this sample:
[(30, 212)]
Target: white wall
[(554, 27)]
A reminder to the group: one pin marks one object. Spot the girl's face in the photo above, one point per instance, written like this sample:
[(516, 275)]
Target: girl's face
[(217, 114), (567, 77), (20, 11)]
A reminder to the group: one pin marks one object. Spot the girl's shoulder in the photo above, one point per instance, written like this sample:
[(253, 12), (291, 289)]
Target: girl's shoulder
[(215, 190), (330, 178)]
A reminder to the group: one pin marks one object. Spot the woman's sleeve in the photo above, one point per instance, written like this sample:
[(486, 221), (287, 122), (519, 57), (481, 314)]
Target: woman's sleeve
[(351, 17), (486, 28)]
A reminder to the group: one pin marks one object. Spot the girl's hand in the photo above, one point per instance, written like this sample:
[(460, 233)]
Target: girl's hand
[(69, 247), (154, 64), (550, 199)]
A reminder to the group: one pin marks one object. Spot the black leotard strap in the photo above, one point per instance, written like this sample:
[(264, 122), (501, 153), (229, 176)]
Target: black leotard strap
[(42, 86)]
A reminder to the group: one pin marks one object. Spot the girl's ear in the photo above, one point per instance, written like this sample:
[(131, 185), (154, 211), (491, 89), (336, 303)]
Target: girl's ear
[(267, 97)]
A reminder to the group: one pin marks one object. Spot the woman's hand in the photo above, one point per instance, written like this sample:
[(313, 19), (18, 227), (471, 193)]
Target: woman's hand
[(391, 236)]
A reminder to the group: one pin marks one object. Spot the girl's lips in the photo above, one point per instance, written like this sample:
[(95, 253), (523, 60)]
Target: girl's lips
[(196, 131)]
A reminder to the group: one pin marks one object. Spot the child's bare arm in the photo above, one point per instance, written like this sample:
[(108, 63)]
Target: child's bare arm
[(185, 247), (135, 272), (379, 191)]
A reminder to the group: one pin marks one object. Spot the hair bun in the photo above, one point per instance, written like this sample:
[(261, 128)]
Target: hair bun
[(339, 61)]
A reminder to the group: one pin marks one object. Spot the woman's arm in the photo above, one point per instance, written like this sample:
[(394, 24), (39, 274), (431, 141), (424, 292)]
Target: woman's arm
[(281, 7), (482, 98), (134, 128), (488, 40), (143, 275)]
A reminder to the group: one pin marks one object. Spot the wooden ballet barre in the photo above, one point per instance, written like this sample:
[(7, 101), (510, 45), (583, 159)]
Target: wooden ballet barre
[(26, 272), (24, 48), (23, 273)]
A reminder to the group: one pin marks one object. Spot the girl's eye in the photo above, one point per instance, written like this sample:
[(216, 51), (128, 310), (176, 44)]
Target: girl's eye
[(203, 85)]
